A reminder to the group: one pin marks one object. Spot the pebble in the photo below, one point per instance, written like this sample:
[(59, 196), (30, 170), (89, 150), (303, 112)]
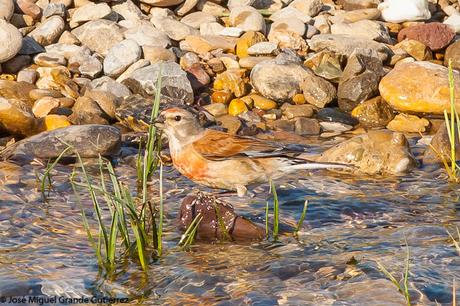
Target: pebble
[(408, 123), (120, 57), (11, 39), (6, 9), (49, 31)]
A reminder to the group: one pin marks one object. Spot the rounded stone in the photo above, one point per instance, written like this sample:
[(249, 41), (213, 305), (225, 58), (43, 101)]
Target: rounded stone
[(49, 31), (434, 35), (6, 9), (121, 56), (10, 39)]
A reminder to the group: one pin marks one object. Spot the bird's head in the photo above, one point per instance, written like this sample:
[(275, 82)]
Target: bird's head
[(178, 123)]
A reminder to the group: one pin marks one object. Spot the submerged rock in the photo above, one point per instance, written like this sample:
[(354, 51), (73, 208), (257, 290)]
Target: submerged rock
[(216, 214), (87, 140), (440, 148), (376, 152)]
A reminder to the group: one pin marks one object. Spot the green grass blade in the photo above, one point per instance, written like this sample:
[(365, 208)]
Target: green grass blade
[(302, 217), (160, 222), (266, 220), (406, 275), (275, 211), (49, 168), (390, 277)]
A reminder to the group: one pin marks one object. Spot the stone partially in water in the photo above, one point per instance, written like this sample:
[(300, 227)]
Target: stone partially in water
[(442, 147), (420, 87), (216, 212), (376, 152), (87, 140)]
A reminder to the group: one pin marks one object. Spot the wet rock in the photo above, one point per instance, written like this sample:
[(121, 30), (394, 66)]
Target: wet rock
[(246, 41), (418, 87), (16, 120), (363, 28), (99, 35), (174, 81), (408, 123), (6, 9), (278, 82), (106, 141), (49, 31), (346, 45), (89, 12), (307, 127), (318, 91), (87, 111), (233, 81), (308, 7), (453, 54), (120, 57), (373, 113), (376, 152), (382, 290), (400, 11), (335, 115), (10, 39), (435, 35), (247, 18), (360, 80), (216, 212), (442, 147)]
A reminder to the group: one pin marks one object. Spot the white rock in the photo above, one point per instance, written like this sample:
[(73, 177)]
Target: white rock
[(67, 50), (262, 48), (175, 30), (163, 3), (85, 64), (99, 35), (398, 11), (128, 10), (6, 9), (146, 34), (308, 7), (231, 31), (195, 19), (89, 12), (211, 28), (247, 18), (121, 56), (335, 126), (10, 39), (290, 12), (289, 25), (454, 22)]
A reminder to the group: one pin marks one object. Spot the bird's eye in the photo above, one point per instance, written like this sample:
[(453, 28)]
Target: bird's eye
[(177, 118)]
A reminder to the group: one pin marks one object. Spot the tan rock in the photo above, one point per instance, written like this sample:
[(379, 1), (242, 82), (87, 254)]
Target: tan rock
[(408, 123), (45, 106), (415, 49), (204, 44), (16, 120)]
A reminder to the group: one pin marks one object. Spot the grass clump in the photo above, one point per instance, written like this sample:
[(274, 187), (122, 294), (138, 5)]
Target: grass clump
[(404, 288)]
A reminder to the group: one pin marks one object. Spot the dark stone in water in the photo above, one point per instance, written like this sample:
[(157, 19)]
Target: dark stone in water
[(336, 115), (210, 208), (87, 140)]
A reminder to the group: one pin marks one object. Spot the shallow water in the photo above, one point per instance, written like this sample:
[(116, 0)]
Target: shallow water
[(351, 223)]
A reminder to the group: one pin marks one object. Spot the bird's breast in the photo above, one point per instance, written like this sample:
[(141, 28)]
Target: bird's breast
[(190, 164)]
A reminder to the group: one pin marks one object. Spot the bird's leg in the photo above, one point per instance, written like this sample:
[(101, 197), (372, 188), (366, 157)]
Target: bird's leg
[(241, 190)]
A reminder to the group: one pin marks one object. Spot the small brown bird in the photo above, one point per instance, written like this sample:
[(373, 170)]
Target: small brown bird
[(221, 160)]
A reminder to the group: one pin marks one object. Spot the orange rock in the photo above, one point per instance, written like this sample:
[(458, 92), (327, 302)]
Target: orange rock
[(53, 122), (221, 96), (236, 107), (247, 40), (421, 87), (298, 99), (232, 80)]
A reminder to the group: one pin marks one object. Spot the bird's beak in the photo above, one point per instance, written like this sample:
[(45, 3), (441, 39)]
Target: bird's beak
[(159, 121)]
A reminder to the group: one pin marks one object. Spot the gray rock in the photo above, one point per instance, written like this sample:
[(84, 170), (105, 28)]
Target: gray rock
[(87, 140), (99, 35), (105, 83), (49, 31), (345, 45), (30, 47), (121, 56), (360, 80), (85, 64), (278, 82), (54, 9), (175, 83)]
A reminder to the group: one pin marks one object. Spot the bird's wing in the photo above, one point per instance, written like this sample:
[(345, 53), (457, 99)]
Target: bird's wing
[(216, 145)]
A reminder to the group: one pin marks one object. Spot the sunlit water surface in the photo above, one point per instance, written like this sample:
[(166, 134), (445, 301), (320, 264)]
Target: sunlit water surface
[(351, 223)]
